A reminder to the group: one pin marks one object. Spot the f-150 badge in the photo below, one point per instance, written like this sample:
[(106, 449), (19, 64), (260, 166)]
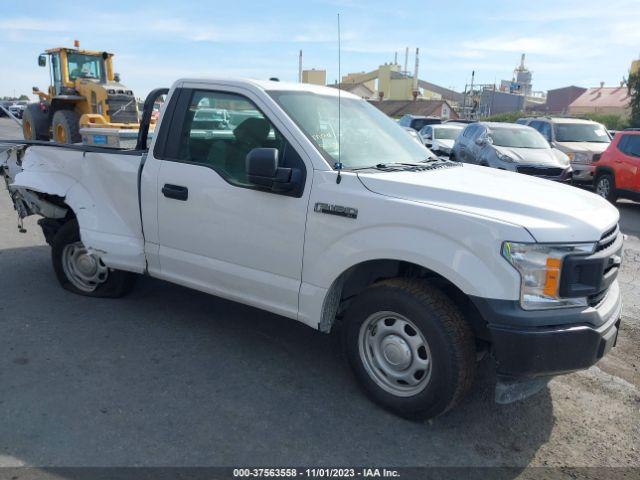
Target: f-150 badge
[(338, 210)]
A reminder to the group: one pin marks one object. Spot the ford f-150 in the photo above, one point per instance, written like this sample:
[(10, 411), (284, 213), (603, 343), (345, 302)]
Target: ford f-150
[(310, 203)]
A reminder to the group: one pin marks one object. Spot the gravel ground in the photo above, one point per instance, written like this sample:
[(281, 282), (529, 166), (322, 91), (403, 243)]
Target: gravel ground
[(170, 376)]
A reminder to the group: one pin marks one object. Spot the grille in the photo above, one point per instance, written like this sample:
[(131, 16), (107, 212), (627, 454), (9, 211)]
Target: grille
[(608, 238), (540, 171), (122, 108), (597, 298)]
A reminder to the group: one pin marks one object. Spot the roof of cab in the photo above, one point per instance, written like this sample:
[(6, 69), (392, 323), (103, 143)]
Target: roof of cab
[(270, 85)]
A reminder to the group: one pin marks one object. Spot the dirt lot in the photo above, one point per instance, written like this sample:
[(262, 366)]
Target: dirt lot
[(169, 376)]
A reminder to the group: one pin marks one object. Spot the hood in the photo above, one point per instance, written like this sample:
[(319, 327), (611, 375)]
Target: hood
[(550, 211), (587, 147), (532, 156)]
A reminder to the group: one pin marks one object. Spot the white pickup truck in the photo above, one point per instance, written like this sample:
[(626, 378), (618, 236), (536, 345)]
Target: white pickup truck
[(335, 216)]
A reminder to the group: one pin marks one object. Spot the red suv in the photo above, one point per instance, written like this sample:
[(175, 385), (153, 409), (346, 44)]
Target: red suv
[(617, 173)]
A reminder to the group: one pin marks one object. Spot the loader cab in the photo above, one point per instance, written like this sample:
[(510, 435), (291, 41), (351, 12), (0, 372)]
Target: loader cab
[(68, 65)]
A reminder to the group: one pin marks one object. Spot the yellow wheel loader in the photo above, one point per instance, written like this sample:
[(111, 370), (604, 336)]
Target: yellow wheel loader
[(84, 93)]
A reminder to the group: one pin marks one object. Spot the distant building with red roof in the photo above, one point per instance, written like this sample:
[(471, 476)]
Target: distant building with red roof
[(605, 100)]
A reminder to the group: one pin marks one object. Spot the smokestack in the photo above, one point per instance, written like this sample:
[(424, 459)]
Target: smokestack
[(415, 74), (522, 62), (300, 67), (406, 59), (601, 84), (395, 58)]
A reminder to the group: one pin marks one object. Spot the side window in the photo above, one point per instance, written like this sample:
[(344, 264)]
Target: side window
[(622, 144), (633, 145), (403, 121), (219, 130), (546, 131)]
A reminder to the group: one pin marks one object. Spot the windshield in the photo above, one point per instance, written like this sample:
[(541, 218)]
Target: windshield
[(368, 137), (517, 138), (581, 132), (446, 133), (84, 66)]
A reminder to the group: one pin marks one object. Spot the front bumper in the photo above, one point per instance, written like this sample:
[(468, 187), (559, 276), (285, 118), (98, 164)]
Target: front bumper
[(582, 172), (529, 344)]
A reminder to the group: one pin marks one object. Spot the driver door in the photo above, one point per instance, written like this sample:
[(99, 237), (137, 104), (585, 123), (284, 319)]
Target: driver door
[(217, 231)]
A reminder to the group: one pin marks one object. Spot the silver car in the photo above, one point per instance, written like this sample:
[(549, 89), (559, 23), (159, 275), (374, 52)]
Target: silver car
[(513, 147)]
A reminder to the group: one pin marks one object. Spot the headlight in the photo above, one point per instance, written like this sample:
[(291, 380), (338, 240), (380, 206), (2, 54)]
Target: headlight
[(505, 158), (540, 268), (579, 157)]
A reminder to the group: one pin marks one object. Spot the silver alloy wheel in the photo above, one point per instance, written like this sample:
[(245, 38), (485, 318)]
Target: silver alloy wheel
[(395, 353), (603, 188), (83, 269)]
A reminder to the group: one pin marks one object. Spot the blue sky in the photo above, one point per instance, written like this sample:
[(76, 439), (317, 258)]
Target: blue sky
[(566, 42)]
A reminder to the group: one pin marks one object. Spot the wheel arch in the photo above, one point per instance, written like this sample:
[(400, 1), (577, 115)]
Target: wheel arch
[(605, 169), (358, 277)]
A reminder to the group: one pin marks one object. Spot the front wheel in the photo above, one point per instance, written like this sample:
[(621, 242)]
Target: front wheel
[(82, 272), (606, 187), (66, 127), (410, 348)]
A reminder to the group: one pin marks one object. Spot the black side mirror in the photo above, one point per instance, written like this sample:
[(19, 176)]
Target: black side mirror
[(42, 60), (263, 170)]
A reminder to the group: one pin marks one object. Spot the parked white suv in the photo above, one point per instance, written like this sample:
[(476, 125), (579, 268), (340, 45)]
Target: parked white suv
[(330, 217)]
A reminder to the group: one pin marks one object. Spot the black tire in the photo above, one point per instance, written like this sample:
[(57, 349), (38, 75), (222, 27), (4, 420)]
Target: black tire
[(605, 186), (66, 122), (117, 283), (35, 123), (452, 157), (450, 341)]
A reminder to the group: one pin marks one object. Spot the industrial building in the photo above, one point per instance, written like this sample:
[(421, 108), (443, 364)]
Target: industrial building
[(391, 82), (426, 108), (512, 95), (559, 99), (314, 77), (604, 100)]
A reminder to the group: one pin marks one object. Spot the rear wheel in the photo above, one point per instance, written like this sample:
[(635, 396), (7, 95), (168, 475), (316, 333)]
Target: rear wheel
[(410, 347), (606, 187), (35, 123), (82, 272), (66, 128)]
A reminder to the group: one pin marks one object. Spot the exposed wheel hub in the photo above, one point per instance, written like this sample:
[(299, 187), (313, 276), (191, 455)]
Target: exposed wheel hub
[(83, 269)]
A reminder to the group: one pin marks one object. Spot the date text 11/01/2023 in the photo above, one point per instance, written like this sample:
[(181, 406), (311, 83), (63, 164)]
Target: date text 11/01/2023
[(315, 473)]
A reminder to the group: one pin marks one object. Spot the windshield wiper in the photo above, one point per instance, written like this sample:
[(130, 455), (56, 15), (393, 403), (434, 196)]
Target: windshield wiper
[(400, 166)]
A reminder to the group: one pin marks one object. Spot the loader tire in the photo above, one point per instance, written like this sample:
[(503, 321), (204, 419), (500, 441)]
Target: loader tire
[(66, 127), (35, 123)]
